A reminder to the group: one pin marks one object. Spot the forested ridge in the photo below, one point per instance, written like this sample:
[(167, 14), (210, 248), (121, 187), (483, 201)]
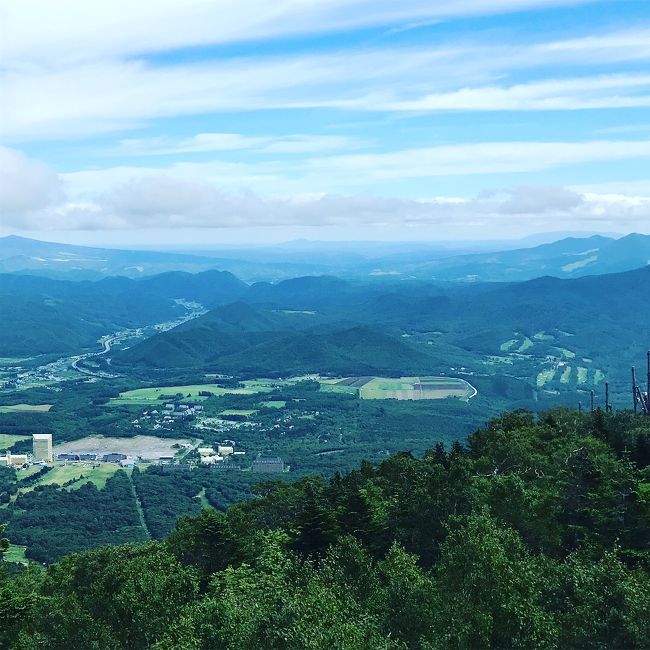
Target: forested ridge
[(535, 534)]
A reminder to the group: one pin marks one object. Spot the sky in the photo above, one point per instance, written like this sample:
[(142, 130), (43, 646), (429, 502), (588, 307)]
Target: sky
[(206, 122)]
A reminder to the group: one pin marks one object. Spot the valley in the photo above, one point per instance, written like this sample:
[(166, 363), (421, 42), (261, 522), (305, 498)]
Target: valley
[(306, 376)]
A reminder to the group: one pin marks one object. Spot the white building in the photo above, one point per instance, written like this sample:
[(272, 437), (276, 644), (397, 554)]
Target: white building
[(10, 459)]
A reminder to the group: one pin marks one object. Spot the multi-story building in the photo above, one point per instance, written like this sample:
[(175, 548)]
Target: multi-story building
[(42, 447)]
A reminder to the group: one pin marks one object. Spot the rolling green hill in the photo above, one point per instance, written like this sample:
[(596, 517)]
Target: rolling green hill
[(46, 316), (594, 324)]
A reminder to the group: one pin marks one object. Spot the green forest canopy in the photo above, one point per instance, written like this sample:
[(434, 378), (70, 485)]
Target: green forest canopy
[(534, 535)]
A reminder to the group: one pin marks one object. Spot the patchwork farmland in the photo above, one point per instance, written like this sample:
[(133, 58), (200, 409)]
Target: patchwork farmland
[(403, 388)]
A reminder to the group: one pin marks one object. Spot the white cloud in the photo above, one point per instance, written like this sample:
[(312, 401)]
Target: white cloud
[(611, 91), (210, 195), (320, 174), (165, 203), (26, 186), (68, 100), (42, 31), (211, 142)]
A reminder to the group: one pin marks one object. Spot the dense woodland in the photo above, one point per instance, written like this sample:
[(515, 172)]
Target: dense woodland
[(535, 534)]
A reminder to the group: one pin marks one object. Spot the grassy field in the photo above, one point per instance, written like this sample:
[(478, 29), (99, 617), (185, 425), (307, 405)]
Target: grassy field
[(526, 345), (41, 408), (145, 396), (26, 473), (8, 439), (545, 376), (97, 473), (278, 404), (16, 554), (243, 412)]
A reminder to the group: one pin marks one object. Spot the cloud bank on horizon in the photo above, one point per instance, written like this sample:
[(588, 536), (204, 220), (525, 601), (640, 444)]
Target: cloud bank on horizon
[(265, 120)]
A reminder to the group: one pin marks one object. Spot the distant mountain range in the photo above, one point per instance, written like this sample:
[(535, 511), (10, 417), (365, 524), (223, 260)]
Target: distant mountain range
[(566, 258), (581, 329)]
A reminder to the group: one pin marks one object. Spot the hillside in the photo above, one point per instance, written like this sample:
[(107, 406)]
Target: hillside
[(244, 340), (47, 316), (594, 320), (533, 535)]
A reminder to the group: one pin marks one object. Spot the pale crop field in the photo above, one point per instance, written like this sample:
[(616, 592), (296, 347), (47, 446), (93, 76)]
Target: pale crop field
[(526, 345), (278, 404), (416, 388), (507, 346), (567, 354), (243, 412), (14, 408), (545, 376)]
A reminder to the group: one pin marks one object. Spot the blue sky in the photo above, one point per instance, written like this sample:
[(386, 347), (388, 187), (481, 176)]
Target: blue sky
[(210, 121)]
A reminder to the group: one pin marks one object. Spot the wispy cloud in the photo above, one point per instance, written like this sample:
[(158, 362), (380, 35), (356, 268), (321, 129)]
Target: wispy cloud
[(42, 31), (610, 91), (81, 99), (214, 142)]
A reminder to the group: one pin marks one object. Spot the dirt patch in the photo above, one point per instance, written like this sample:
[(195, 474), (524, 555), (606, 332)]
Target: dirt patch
[(147, 447)]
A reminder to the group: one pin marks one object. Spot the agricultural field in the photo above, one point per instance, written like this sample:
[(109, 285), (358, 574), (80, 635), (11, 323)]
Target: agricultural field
[(149, 447), (145, 396), (16, 408), (403, 388), (7, 440)]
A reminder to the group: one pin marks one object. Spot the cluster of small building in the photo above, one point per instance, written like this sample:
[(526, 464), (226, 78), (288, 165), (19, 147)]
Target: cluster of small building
[(167, 415), (208, 456), (41, 452), (113, 457)]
